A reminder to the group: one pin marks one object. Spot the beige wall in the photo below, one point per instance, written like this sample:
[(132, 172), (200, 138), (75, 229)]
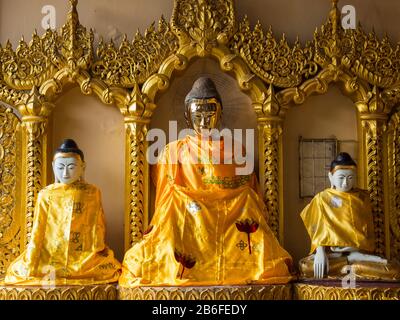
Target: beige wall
[(99, 129)]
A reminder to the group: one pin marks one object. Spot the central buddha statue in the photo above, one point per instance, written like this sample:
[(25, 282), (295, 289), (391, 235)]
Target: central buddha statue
[(340, 224), (209, 226), (67, 245)]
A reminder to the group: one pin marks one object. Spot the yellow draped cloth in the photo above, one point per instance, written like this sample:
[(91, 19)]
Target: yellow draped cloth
[(340, 219), (67, 245), (209, 226), (344, 219)]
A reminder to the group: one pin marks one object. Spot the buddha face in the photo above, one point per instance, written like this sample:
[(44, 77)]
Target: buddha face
[(343, 179), (204, 117), (68, 170)]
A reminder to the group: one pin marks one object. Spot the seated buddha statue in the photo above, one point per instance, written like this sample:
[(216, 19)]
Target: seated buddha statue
[(209, 225), (340, 224), (67, 244)]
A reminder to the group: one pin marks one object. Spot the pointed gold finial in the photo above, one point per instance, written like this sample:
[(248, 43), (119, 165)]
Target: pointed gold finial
[(334, 16)]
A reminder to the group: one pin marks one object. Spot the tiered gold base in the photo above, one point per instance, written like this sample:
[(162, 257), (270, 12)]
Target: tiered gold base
[(297, 291), (257, 292), (95, 292), (335, 291)]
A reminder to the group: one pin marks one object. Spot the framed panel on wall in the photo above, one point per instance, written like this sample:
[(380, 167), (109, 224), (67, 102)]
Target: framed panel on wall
[(315, 157)]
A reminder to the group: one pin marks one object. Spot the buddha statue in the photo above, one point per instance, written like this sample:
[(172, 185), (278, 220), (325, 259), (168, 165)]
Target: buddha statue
[(67, 244), (340, 224), (209, 226)]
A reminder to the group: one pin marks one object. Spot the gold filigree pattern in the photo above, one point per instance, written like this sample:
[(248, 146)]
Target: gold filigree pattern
[(374, 132), (315, 292), (134, 62), (95, 292), (274, 61), (270, 172), (10, 208), (77, 42), (137, 181), (203, 22), (31, 64), (373, 60), (270, 292), (34, 169), (394, 183)]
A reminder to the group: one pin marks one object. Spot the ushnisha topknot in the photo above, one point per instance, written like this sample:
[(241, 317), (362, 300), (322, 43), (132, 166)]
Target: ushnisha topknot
[(343, 161), (203, 89), (69, 146)]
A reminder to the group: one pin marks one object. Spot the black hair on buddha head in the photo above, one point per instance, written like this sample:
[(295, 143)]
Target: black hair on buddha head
[(343, 159), (203, 88), (70, 146)]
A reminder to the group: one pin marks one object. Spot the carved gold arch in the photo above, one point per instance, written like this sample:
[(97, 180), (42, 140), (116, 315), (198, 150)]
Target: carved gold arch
[(274, 73)]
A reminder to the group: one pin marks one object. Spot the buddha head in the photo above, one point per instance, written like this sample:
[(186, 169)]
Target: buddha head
[(203, 106), (68, 163), (343, 173)]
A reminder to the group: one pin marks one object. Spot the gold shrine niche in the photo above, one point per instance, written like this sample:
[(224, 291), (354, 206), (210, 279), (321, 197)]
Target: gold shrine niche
[(273, 73)]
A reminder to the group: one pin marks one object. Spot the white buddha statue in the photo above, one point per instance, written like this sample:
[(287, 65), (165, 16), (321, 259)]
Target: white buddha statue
[(67, 245), (340, 224)]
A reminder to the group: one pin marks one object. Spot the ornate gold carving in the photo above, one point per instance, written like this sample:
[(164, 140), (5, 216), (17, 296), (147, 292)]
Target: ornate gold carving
[(30, 65), (95, 292), (136, 180), (10, 173), (270, 173), (273, 61), (314, 292), (34, 121), (393, 148), (259, 292), (77, 42), (373, 143), (203, 23), (134, 62)]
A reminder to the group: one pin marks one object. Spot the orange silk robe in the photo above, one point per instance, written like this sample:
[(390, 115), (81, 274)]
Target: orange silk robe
[(340, 219), (209, 227), (67, 245)]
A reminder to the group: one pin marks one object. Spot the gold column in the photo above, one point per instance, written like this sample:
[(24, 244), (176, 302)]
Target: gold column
[(136, 181), (271, 171), (373, 127), (393, 190), (35, 114)]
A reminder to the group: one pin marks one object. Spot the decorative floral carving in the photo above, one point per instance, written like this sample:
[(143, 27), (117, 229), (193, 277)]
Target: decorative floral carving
[(134, 62), (273, 60)]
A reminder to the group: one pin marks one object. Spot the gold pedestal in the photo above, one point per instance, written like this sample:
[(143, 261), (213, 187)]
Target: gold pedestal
[(256, 292), (334, 291), (94, 292)]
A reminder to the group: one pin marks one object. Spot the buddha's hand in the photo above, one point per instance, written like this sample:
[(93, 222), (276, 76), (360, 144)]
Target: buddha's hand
[(321, 263)]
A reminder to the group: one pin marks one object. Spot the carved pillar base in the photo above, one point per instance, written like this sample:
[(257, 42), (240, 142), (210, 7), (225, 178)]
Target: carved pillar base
[(256, 292), (334, 291), (95, 292)]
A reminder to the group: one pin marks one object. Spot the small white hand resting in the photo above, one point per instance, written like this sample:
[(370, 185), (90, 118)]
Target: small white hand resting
[(321, 263)]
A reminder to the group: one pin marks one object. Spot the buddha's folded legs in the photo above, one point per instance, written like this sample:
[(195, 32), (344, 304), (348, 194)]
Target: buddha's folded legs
[(339, 267)]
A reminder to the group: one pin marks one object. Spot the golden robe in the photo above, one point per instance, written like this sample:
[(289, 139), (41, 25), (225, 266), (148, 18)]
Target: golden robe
[(209, 226), (67, 245), (340, 219)]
